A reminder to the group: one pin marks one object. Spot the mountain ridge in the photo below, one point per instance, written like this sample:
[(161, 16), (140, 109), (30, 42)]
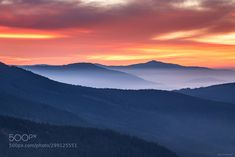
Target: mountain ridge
[(159, 64), (170, 118), (220, 92), (148, 64), (88, 74), (87, 142)]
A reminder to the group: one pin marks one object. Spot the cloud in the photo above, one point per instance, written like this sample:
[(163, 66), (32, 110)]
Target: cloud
[(226, 39), (179, 35), (104, 2), (9, 33), (119, 20), (132, 21), (27, 36), (99, 28), (120, 57), (57, 14)]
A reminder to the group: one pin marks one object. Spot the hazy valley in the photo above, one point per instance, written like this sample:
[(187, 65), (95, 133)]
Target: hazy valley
[(150, 75), (187, 125)]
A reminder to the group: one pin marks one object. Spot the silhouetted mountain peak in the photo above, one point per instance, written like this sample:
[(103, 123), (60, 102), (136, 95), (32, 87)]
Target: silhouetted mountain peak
[(82, 65), (2, 64), (155, 64), (4, 67)]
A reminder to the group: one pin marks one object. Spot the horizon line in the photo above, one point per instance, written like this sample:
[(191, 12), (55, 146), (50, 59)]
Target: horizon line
[(95, 63), (128, 64)]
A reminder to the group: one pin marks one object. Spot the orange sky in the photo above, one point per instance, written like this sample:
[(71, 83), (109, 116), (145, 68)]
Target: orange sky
[(187, 32)]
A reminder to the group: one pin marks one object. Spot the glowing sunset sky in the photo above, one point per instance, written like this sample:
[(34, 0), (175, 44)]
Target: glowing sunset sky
[(187, 32)]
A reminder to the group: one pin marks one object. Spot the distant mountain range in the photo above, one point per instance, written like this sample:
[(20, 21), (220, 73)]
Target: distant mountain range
[(87, 142), (188, 125), (91, 75), (174, 76), (156, 65), (223, 92), (149, 75)]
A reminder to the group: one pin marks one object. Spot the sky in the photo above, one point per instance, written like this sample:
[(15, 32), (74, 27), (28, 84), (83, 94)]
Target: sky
[(118, 32)]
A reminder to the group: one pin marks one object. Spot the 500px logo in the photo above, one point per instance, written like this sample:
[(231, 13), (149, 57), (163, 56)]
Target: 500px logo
[(21, 137)]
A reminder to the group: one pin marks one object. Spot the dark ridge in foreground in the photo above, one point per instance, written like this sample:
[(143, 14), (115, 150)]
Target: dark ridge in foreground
[(190, 126), (86, 142), (223, 92)]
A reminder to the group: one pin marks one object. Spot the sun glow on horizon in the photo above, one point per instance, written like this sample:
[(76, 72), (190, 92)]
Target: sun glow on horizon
[(187, 32), (28, 36)]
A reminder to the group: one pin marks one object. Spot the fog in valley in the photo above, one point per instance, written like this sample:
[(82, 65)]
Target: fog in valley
[(171, 79), (130, 77)]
